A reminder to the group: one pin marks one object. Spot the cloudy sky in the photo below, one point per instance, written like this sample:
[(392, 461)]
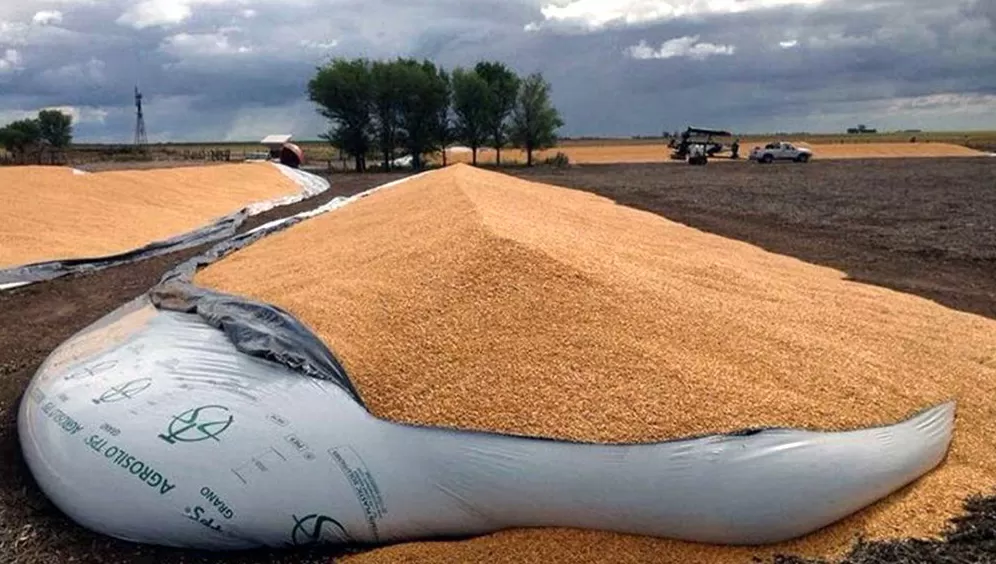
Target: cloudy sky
[(237, 69)]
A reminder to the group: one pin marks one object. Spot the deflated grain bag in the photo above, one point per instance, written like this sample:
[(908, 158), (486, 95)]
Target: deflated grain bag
[(228, 425)]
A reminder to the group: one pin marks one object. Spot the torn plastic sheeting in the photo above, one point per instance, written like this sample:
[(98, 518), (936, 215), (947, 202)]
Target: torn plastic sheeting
[(12, 285), (219, 450), (311, 185), (259, 330)]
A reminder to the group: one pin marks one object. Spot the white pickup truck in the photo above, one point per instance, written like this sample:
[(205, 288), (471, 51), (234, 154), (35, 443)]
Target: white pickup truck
[(780, 151)]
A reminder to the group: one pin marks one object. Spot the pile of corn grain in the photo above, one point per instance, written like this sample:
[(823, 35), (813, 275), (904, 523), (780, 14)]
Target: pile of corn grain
[(49, 213), (470, 299)]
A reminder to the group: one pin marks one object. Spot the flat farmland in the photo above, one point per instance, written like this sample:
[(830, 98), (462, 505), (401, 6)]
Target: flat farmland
[(590, 150), (922, 226), (659, 153)]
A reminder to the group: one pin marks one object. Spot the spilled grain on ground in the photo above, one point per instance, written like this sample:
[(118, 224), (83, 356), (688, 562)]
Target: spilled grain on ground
[(660, 152), (889, 150), (49, 213), (471, 299)]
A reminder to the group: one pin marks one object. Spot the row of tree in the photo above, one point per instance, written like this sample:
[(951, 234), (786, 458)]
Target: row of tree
[(51, 129), (418, 107)]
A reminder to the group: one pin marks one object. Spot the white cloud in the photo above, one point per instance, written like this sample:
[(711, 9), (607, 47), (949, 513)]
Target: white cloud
[(948, 102), (788, 44), (687, 46), (13, 33), (253, 123), (75, 75), (82, 114), (840, 41), (899, 34), (318, 45), (592, 15), (47, 17), (933, 112), (22, 34), (155, 13), (249, 13), (10, 61), (163, 13), (7, 116), (190, 45)]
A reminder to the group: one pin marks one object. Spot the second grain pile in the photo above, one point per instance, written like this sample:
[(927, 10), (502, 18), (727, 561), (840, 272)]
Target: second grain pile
[(49, 213), (470, 299)]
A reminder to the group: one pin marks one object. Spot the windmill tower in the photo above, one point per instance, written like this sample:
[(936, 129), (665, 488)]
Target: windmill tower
[(140, 139)]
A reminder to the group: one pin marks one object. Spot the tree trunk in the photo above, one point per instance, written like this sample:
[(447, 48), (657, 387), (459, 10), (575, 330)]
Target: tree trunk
[(473, 157), (529, 156), (444, 157), (497, 154)]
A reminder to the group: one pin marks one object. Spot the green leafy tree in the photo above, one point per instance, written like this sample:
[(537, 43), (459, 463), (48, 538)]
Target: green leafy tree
[(20, 136), (386, 107), (7, 140), (425, 96), (445, 131), (343, 90), (503, 87), (534, 120), (56, 128), (470, 106)]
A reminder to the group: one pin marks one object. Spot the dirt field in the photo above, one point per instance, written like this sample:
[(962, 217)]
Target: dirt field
[(917, 225), (319, 153)]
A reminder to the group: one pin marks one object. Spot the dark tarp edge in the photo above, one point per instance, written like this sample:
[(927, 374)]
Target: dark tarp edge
[(257, 329), (41, 271)]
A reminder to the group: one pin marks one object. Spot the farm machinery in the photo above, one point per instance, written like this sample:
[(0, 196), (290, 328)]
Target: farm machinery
[(696, 145)]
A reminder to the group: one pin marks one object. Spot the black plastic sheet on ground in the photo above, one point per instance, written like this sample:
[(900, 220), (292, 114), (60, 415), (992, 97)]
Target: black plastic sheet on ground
[(48, 270)]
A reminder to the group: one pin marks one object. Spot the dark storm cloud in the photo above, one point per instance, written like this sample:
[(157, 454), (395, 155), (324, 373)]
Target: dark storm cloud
[(224, 68), (841, 56)]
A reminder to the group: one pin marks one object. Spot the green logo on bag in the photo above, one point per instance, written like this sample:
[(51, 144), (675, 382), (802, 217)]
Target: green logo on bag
[(198, 424), (315, 528), (125, 391)]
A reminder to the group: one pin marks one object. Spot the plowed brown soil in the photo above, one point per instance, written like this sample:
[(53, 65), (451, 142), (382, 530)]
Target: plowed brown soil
[(49, 213), (655, 153), (471, 299)]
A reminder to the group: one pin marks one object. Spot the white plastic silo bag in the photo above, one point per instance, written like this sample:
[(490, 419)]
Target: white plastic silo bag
[(150, 426)]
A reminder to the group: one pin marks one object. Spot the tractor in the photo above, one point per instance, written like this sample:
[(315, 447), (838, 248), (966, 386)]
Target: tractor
[(696, 140)]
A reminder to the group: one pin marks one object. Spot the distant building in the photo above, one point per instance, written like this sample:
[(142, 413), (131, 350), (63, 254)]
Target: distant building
[(274, 143), (861, 128)]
